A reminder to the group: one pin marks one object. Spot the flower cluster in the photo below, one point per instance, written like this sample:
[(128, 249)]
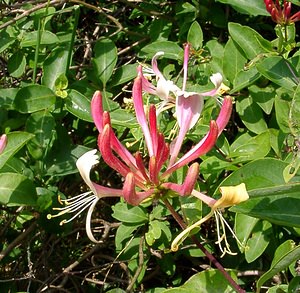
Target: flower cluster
[(151, 179), (281, 14)]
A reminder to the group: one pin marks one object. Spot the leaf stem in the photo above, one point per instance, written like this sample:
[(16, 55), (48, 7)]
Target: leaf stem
[(212, 259)]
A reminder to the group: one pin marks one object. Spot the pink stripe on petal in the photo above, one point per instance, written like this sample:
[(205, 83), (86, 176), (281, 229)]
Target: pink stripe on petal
[(185, 64), (140, 113), (153, 127)]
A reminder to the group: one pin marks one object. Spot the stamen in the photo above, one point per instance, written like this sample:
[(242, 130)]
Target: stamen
[(79, 202), (223, 237)]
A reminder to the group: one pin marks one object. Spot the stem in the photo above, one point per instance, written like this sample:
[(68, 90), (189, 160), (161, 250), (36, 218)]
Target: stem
[(212, 259)]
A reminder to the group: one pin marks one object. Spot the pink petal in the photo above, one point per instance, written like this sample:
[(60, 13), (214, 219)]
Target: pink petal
[(201, 148), (97, 110), (3, 142), (224, 114), (129, 193), (140, 113)]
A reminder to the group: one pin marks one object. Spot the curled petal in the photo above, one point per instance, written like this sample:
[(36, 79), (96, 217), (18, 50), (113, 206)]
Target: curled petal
[(3, 142), (85, 164), (129, 193), (231, 195), (154, 64), (88, 221), (216, 79), (146, 84)]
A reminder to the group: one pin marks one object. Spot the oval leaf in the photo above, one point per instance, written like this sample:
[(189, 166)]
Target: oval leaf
[(15, 141), (105, 59), (16, 189), (34, 98), (171, 50), (79, 105)]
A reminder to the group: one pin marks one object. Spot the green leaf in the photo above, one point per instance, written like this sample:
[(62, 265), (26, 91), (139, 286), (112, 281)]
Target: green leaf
[(16, 64), (294, 114), (244, 78), (47, 38), (262, 173), (259, 240), (251, 42), (233, 61), (243, 227), (195, 35), (124, 232), (264, 97), (42, 125), (251, 115), (79, 105), (253, 7), (279, 266), (128, 214), (283, 249), (206, 281), (251, 147), (123, 118), (7, 97), (105, 59), (15, 141), (6, 39), (279, 70), (54, 66), (16, 189), (124, 74), (278, 204), (282, 111), (171, 50), (62, 159), (34, 98)]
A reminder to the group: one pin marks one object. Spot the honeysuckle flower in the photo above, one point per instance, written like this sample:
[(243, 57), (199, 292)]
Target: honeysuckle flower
[(3, 142), (281, 14), (188, 105), (76, 205), (231, 195), (141, 182)]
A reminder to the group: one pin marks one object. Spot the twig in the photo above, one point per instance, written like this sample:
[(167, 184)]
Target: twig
[(29, 11), (17, 241), (140, 266), (213, 260), (100, 10)]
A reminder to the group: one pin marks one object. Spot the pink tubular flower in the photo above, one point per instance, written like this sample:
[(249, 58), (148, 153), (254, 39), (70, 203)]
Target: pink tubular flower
[(3, 142), (142, 182), (189, 105), (279, 14)]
